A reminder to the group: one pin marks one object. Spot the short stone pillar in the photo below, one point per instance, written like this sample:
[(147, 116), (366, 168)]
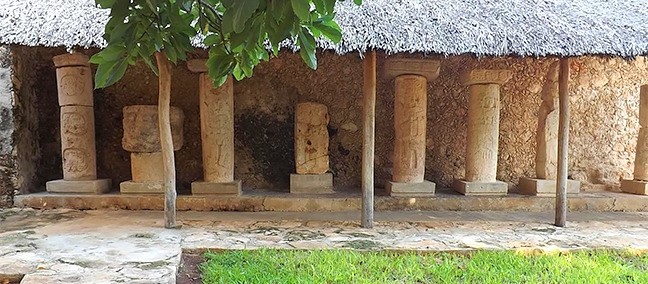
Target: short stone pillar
[(547, 143), (411, 78), (142, 139), (311, 150), (75, 96), (217, 135), (639, 185), (483, 133)]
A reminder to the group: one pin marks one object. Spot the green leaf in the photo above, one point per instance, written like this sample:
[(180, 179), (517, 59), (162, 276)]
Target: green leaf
[(212, 39), (330, 6), (301, 9), (330, 29), (239, 13), (105, 4), (358, 2), (307, 48), (110, 72)]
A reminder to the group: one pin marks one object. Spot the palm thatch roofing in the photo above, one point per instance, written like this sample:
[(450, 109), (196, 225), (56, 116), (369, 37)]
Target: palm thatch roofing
[(448, 27)]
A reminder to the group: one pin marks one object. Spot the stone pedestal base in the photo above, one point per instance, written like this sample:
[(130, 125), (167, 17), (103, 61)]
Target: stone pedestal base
[(216, 188), (545, 187), (315, 184), (425, 188), (634, 186), (96, 186), (132, 187), (480, 187)]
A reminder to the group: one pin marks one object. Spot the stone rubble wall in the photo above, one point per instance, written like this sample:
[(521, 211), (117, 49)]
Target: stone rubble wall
[(604, 126)]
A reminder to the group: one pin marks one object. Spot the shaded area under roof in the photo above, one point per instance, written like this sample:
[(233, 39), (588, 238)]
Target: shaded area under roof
[(448, 27)]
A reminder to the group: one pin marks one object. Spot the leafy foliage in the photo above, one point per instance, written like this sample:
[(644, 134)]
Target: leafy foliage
[(238, 33)]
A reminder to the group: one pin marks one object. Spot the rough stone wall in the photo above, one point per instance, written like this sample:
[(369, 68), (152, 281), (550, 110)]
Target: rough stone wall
[(7, 168), (604, 100)]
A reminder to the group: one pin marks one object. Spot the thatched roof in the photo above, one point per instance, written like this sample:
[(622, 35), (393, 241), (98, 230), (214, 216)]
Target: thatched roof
[(450, 27)]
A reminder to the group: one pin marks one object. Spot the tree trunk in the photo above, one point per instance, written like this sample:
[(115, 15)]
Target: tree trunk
[(563, 143), (368, 137), (166, 141)]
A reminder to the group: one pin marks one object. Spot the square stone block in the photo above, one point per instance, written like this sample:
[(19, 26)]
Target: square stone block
[(480, 187), (425, 188), (634, 186), (216, 188), (315, 184), (149, 187), (96, 186), (545, 187)]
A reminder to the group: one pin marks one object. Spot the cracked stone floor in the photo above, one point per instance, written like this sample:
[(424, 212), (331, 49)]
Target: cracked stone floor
[(70, 246)]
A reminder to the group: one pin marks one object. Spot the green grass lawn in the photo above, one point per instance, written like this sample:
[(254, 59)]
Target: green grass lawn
[(346, 266)]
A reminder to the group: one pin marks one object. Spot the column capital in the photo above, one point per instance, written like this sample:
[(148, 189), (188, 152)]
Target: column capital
[(486, 76), (427, 68), (71, 59), (197, 65)]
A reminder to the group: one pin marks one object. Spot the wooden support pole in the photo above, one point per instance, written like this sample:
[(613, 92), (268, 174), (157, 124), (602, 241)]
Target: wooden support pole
[(166, 141), (563, 143), (368, 137)]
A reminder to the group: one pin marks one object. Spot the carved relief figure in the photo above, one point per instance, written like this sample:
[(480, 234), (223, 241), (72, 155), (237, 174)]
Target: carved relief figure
[(547, 133), (311, 138)]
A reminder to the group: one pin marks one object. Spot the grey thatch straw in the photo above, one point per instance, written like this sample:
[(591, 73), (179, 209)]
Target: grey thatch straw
[(449, 27)]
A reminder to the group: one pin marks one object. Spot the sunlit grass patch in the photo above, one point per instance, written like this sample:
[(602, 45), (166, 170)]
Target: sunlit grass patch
[(348, 266)]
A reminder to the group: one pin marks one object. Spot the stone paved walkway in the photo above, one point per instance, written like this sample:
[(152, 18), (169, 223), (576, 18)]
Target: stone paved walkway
[(66, 246)]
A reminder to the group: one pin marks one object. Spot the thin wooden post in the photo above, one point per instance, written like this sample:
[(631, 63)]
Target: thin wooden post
[(368, 137), (166, 141), (563, 143)]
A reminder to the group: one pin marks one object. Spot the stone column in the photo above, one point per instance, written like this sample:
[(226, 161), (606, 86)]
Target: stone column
[(217, 135), (75, 96), (142, 139), (639, 185), (483, 133), (547, 143), (411, 78), (311, 150)]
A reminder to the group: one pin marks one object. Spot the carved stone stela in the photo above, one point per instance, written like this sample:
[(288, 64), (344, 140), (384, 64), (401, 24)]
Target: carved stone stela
[(78, 150), (217, 130), (410, 122), (142, 139), (311, 138), (483, 132), (639, 184), (547, 134)]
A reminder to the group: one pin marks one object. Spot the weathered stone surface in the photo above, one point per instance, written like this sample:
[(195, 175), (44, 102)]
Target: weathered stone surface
[(197, 65), (547, 133), (10, 130), (481, 187), (545, 187), (634, 186), (483, 132), (311, 138), (95, 186), (78, 143), (641, 156), (141, 130), (409, 189), (75, 86), (148, 187), (232, 188), (147, 167), (217, 130), (395, 67), (410, 121), (486, 76), (71, 59), (311, 183), (643, 106)]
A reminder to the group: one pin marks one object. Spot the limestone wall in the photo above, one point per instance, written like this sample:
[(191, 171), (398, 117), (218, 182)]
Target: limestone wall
[(605, 96)]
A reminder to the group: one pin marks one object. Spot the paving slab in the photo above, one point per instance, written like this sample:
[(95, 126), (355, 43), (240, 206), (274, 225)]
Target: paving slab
[(71, 246)]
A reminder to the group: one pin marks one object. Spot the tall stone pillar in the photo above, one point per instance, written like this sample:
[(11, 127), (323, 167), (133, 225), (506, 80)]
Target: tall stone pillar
[(411, 78), (142, 139), (547, 143), (639, 185), (217, 135), (483, 133), (75, 96)]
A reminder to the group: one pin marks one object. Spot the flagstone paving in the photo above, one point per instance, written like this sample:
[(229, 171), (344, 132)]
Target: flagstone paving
[(68, 246)]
